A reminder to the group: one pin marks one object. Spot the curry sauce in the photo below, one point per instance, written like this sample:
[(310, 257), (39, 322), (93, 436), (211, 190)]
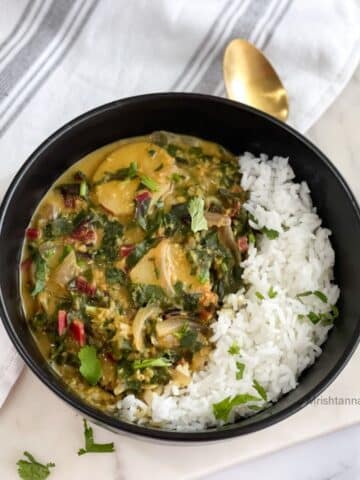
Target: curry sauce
[(128, 258)]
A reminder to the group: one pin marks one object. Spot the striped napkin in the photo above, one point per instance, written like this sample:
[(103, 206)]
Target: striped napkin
[(59, 58)]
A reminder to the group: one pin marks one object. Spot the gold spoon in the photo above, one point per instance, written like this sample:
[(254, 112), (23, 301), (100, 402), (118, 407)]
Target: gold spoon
[(250, 78)]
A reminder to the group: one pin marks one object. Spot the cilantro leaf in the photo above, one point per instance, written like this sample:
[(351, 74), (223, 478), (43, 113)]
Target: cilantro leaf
[(91, 446), (31, 469), (90, 367), (196, 210), (259, 295), (260, 389), (271, 234), (272, 293), (240, 370), (234, 349), (223, 409), (321, 296), (317, 293), (151, 362)]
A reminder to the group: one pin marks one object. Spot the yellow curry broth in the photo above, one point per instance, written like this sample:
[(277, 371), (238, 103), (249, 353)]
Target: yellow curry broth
[(126, 260)]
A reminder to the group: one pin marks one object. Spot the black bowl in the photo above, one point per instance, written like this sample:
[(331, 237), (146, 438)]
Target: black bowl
[(237, 127)]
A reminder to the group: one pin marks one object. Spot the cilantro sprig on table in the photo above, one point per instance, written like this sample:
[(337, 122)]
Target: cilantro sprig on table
[(91, 446), (31, 469)]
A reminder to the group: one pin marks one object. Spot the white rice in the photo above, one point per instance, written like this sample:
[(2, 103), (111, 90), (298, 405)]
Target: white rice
[(277, 340)]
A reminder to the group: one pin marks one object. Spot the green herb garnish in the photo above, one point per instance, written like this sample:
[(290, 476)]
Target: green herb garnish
[(260, 389), (91, 446), (260, 296), (223, 409), (151, 362), (196, 210), (271, 234), (31, 469), (272, 293), (240, 370), (234, 349), (90, 366)]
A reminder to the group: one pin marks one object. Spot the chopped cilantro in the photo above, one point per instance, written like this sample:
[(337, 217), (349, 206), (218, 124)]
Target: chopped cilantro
[(260, 389), (252, 238), (31, 469), (196, 210), (240, 370), (271, 234), (223, 409), (90, 367), (272, 293), (234, 349), (317, 293), (259, 295), (321, 296), (91, 446), (151, 362)]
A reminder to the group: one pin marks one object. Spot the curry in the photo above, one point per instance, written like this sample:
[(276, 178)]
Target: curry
[(128, 258)]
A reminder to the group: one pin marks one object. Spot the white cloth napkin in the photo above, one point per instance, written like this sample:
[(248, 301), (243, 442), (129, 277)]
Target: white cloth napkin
[(59, 58)]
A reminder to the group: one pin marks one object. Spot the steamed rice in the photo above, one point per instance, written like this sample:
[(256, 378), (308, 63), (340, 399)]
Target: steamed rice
[(276, 339)]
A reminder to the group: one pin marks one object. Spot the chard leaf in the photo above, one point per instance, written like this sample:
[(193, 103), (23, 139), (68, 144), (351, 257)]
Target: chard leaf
[(90, 366), (40, 274), (196, 210), (115, 276)]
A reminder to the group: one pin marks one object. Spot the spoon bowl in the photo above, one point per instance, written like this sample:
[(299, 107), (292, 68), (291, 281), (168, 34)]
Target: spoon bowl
[(251, 79)]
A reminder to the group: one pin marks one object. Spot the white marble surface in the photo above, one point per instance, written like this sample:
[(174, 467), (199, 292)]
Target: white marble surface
[(34, 419), (335, 456)]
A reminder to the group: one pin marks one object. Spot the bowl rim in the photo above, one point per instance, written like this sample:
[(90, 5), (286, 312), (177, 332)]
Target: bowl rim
[(118, 425)]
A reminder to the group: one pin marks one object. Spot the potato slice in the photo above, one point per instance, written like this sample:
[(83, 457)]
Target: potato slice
[(164, 265), (118, 196), (151, 160)]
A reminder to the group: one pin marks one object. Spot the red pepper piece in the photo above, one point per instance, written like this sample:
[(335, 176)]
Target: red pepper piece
[(62, 321), (243, 244), (32, 233), (141, 197), (26, 264), (125, 250), (84, 234), (69, 201), (83, 286), (78, 331)]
